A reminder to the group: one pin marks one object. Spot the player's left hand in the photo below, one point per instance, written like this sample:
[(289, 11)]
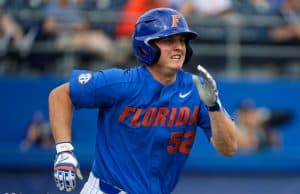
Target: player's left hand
[(66, 168), (207, 89)]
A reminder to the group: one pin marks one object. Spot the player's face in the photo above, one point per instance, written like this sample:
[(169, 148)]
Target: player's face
[(173, 51)]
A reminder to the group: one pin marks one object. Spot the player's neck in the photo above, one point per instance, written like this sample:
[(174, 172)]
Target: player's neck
[(162, 77)]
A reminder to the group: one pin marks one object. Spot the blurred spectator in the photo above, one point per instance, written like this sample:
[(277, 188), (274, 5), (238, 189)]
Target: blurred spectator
[(13, 35), (205, 9), (253, 11), (38, 133), (255, 131), (248, 125), (258, 18), (254, 6), (65, 24), (10, 32), (290, 31), (276, 4), (130, 12), (286, 29), (15, 41), (261, 5)]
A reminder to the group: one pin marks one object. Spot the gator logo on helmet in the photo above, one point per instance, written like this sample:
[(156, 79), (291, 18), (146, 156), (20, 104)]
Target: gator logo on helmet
[(175, 20)]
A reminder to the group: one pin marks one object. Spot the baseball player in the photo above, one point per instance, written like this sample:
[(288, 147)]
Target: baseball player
[(148, 115)]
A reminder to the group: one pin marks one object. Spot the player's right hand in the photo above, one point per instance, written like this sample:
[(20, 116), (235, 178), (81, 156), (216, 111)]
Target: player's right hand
[(66, 167)]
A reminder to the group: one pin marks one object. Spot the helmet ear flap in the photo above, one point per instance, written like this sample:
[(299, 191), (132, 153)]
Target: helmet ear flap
[(147, 54), (157, 52), (189, 53), (143, 51)]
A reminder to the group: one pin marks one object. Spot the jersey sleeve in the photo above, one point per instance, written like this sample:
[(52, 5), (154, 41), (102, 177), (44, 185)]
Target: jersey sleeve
[(98, 89)]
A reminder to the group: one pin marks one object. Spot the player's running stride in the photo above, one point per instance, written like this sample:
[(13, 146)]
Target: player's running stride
[(148, 115)]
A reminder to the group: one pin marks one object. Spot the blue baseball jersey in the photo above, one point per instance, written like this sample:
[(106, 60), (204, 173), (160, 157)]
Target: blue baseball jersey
[(146, 130)]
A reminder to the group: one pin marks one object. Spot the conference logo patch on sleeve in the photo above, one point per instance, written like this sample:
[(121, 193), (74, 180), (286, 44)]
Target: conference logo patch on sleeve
[(84, 78)]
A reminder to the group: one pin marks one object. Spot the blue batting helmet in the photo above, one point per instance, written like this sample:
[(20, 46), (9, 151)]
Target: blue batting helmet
[(155, 24)]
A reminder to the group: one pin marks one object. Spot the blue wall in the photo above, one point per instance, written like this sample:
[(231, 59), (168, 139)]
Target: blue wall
[(20, 97)]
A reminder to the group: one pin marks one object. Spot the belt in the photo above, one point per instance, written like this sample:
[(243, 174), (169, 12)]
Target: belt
[(109, 188)]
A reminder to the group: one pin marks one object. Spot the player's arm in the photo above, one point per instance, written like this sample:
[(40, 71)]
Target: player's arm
[(60, 113), (66, 166), (224, 132)]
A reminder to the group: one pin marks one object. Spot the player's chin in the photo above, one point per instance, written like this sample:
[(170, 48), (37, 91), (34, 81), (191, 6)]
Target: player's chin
[(176, 65)]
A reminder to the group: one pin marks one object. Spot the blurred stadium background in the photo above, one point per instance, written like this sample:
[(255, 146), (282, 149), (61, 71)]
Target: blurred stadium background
[(239, 52)]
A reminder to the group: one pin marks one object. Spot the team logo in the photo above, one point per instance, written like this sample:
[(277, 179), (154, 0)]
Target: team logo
[(175, 20), (84, 78)]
